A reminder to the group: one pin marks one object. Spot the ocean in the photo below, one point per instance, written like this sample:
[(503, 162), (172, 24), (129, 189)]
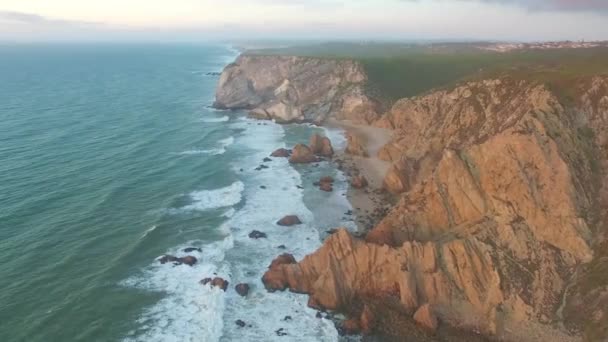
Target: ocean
[(111, 156)]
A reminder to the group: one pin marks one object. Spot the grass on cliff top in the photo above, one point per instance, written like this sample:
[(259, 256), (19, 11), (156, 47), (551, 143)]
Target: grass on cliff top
[(404, 70)]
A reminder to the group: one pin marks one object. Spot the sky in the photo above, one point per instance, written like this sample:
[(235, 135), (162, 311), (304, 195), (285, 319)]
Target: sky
[(200, 20)]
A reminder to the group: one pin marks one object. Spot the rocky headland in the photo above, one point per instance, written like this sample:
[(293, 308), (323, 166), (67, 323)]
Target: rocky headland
[(497, 220)]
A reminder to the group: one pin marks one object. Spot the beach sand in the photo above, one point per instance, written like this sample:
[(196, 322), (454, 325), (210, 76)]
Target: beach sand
[(370, 204)]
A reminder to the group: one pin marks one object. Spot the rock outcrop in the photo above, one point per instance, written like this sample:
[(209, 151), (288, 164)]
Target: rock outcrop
[(503, 207), (355, 146), (296, 89), (289, 220), (302, 154), (321, 146)]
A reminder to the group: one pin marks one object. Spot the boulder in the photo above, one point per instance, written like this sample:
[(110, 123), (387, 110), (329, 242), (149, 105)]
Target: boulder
[(274, 279), (240, 323), (283, 259), (242, 289), (425, 317), (167, 258), (289, 220), (302, 154), (188, 260), (216, 282), (327, 187), (355, 145), (281, 153), (321, 146), (257, 235), (358, 182), (266, 160)]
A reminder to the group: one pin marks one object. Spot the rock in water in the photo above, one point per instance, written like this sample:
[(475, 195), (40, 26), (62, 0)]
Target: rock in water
[(257, 235), (192, 249), (216, 282), (289, 220), (321, 146), (302, 154), (167, 258), (327, 187), (425, 317), (188, 260), (242, 289), (275, 281), (240, 323), (281, 153)]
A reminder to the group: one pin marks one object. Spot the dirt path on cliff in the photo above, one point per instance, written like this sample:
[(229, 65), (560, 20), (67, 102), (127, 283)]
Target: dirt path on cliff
[(369, 204)]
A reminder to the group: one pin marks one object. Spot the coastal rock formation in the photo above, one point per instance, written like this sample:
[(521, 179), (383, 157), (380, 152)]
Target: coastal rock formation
[(281, 153), (321, 146), (504, 191), (302, 154), (216, 282), (242, 289), (187, 260), (355, 146), (296, 89), (257, 235), (425, 317), (289, 220)]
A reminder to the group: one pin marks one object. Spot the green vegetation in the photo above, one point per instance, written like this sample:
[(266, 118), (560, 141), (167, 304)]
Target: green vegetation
[(404, 70)]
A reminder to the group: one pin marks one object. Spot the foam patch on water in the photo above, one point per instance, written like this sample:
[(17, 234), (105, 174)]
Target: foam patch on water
[(189, 311), (216, 119), (223, 144), (217, 198)]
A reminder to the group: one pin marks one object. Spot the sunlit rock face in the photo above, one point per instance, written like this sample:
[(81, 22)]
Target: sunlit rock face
[(296, 89)]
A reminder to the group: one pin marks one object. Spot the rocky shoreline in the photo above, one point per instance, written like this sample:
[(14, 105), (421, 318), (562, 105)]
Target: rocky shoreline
[(493, 193)]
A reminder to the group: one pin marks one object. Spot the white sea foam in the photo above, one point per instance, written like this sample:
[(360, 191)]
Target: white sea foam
[(215, 119), (223, 144), (216, 198), (188, 311)]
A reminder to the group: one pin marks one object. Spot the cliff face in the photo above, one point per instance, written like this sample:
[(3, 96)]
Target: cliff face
[(501, 218), (296, 89)]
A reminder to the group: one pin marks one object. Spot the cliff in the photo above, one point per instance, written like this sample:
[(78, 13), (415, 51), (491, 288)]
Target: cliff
[(296, 89), (500, 222)]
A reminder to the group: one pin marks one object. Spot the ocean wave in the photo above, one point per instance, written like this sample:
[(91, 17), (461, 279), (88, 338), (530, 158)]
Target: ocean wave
[(215, 119), (188, 310), (217, 198), (223, 144)]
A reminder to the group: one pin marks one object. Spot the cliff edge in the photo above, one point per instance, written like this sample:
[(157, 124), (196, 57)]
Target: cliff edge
[(296, 89)]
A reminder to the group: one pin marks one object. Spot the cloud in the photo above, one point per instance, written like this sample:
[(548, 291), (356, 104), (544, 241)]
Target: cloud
[(548, 5), (38, 20)]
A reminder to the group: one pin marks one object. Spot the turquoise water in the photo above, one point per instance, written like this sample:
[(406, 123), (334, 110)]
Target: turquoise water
[(110, 157)]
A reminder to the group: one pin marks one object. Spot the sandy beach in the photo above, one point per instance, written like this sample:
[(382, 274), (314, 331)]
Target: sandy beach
[(369, 204)]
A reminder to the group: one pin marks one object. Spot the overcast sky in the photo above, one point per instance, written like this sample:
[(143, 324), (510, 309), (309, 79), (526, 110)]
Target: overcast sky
[(312, 19)]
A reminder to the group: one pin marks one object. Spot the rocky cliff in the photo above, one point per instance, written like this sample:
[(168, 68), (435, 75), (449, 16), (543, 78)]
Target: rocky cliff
[(296, 89), (501, 220)]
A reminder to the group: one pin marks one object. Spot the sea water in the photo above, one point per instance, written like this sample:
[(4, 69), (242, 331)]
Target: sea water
[(110, 156)]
